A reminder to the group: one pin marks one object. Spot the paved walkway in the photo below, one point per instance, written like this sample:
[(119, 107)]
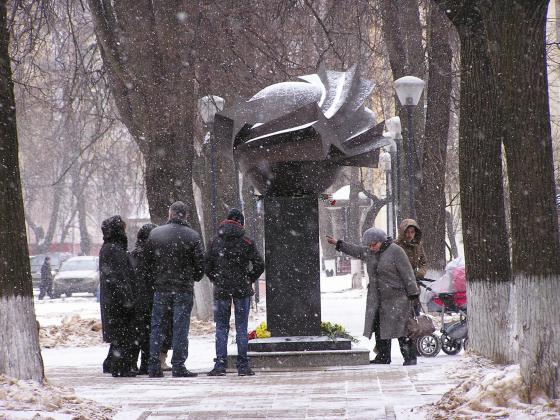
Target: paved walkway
[(366, 392)]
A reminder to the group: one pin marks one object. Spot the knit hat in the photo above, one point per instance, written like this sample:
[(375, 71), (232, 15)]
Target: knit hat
[(373, 235), (235, 214)]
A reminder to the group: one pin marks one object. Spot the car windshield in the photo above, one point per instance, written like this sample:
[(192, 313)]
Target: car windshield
[(79, 265)]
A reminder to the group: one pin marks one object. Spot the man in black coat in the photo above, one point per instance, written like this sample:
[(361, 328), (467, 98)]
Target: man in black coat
[(144, 296), (46, 285), (233, 264), (116, 297), (177, 257)]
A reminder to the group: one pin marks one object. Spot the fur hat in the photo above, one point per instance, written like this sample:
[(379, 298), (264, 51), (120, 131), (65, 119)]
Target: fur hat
[(374, 235)]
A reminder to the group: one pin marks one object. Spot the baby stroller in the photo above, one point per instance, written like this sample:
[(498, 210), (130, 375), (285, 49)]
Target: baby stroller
[(454, 334)]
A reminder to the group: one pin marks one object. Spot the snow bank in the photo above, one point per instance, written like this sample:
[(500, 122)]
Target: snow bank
[(29, 399), (74, 331), (490, 391)]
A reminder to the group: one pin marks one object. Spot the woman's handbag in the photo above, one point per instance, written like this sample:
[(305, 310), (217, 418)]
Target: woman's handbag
[(419, 326)]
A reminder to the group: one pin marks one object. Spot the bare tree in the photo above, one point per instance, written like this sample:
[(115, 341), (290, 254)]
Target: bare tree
[(20, 354)]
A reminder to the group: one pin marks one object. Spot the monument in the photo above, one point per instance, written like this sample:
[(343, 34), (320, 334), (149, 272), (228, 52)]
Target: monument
[(290, 140)]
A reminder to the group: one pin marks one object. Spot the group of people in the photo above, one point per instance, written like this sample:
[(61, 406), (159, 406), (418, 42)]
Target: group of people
[(146, 296), (393, 294)]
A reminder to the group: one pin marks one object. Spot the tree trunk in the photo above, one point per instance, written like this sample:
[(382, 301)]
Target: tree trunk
[(168, 177), (20, 354), (85, 241), (451, 235), (43, 248), (353, 234), (373, 211), (519, 32), (431, 197), (482, 196)]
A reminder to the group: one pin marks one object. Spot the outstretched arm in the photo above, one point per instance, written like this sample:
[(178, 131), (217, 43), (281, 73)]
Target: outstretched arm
[(356, 251)]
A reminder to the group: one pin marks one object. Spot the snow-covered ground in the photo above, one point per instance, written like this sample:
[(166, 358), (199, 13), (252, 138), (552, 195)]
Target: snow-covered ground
[(80, 390)]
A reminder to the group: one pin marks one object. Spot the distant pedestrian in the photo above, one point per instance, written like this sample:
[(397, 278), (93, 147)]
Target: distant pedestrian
[(116, 298), (233, 264), (177, 258), (143, 290), (391, 289), (46, 285), (410, 239)]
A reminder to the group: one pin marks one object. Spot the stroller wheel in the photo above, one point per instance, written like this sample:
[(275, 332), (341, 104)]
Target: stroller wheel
[(450, 346), (428, 345)]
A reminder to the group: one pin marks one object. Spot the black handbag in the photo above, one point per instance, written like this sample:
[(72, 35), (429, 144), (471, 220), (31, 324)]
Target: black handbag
[(419, 326)]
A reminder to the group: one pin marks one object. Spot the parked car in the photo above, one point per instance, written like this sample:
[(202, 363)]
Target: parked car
[(77, 275), (36, 262)]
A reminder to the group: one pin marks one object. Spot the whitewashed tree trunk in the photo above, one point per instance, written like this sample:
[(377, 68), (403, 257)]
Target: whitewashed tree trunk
[(20, 354), (489, 319), (538, 328)]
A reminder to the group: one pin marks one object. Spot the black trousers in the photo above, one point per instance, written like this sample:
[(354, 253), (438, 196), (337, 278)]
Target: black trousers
[(407, 346)]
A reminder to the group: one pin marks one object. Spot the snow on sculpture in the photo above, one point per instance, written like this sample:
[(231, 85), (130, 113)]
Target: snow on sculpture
[(319, 122)]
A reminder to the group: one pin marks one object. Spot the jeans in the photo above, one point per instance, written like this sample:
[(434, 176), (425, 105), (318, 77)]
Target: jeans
[(222, 313), (180, 305)]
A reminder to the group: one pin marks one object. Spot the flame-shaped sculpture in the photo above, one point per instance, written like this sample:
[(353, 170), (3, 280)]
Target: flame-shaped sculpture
[(291, 137)]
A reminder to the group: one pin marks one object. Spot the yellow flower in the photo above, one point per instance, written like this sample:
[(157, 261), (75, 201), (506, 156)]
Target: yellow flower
[(262, 332)]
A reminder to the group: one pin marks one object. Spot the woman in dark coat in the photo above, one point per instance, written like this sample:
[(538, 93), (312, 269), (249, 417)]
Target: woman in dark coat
[(144, 296), (392, 287), (116, 297)]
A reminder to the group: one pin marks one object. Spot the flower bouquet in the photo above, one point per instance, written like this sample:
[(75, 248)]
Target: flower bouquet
[(334, 331), (260, 332)]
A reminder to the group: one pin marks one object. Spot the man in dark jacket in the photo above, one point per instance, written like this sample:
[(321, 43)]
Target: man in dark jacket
[(116, 298), (45, 287), (177, 257), (144, 296), (233, 264)]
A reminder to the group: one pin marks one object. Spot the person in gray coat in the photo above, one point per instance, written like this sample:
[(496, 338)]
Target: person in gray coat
[(391, 289)]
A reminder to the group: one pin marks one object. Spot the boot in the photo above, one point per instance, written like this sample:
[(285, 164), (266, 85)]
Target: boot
[(217, 371), (245, 371), (408, 351), (183, 372)]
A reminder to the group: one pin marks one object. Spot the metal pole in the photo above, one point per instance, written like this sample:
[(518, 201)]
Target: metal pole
[(394, 192), (254, 237), (398, 181), (410, 161), (389, 204), (214, 192)]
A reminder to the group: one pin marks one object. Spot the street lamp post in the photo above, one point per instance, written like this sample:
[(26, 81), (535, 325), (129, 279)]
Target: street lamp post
[(394, 127), (409, 89), (208, 106), (385, 165)]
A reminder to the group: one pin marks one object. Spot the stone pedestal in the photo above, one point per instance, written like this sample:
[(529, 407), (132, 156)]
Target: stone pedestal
[(293, 292), (301, 360), (299, 343)]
